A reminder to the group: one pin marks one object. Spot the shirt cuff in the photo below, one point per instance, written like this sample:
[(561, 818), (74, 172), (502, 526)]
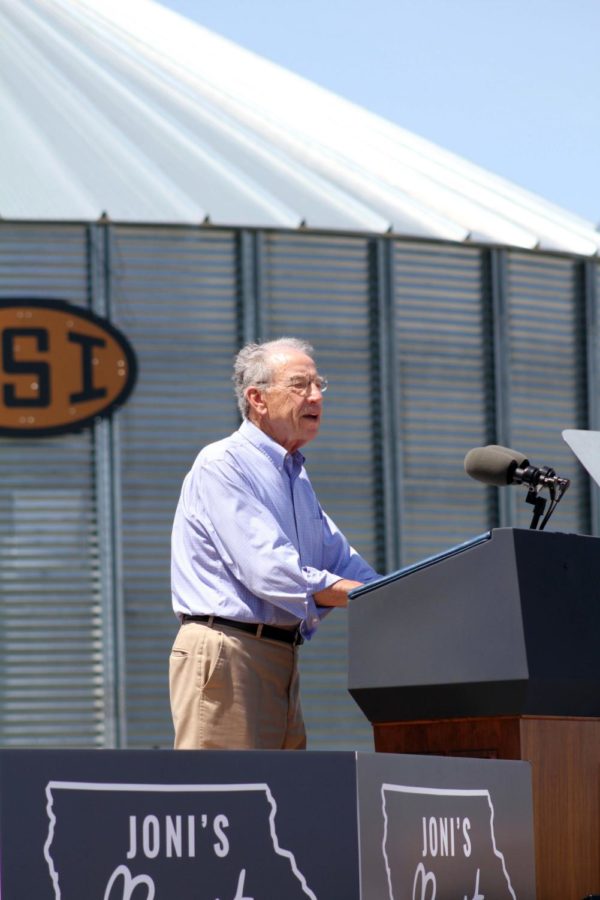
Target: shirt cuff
[(316, 580)]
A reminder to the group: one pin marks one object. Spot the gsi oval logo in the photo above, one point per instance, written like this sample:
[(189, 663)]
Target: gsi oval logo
[(60, 367)]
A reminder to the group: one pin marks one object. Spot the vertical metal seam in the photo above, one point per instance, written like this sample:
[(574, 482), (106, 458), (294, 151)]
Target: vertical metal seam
[(106, 467), (488, 291), (501, 350), (260, 300), (382, 486), (250, 251), (592, 373), (387, 407), (116, 458), (101, 475)]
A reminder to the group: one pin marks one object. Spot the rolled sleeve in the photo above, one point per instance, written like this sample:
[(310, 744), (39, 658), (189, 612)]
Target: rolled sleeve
[(340, 557)]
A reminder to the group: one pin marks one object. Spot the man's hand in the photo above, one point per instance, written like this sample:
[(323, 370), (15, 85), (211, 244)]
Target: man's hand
[(337, 593)]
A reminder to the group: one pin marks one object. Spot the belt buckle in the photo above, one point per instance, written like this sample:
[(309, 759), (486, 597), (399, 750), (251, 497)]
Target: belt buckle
[(298, 639)]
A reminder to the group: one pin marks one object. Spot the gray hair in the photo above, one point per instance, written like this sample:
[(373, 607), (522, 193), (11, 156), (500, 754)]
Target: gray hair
[(253, 365)]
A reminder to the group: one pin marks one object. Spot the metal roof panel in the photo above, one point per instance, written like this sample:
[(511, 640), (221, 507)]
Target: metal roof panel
[(131, 110)]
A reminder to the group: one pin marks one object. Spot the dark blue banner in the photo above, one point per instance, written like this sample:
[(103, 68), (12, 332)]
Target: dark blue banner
[(160, 825)]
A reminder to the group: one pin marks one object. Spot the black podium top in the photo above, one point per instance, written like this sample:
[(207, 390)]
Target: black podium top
[(508, 624)]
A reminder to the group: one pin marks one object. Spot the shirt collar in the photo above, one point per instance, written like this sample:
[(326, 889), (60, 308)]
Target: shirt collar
[(274, 451)]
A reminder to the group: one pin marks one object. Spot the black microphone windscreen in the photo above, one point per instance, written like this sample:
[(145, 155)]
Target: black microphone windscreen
[(494, 464)]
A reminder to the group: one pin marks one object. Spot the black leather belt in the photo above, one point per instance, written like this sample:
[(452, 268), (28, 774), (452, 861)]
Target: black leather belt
[(270, 632)]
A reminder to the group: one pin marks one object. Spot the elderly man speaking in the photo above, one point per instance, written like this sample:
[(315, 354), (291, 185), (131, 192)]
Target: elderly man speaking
[(256, 562)]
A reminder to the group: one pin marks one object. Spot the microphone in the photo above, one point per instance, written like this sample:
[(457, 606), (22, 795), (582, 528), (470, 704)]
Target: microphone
[(501, 466), (494, 464)]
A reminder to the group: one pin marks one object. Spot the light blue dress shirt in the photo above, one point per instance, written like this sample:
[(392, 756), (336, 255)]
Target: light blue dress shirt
[(250, 541)]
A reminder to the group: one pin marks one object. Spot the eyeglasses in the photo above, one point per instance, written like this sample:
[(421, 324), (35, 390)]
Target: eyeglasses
[(302, 384)]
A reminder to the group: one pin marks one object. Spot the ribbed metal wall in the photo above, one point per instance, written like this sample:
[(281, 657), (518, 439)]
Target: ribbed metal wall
[(430, 349), (317, 287), (52, 678), (443, 360), (174, 293), (545, 358)]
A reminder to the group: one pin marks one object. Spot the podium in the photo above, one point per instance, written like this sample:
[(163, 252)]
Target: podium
[(492, 649)]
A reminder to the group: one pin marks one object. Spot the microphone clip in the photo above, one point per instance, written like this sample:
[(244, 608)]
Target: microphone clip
[(537, 480)]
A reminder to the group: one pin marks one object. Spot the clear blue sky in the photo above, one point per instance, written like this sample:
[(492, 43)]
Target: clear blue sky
[(512, 85)]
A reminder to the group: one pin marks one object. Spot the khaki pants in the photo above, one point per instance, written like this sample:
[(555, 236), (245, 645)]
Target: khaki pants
[(233, 691)]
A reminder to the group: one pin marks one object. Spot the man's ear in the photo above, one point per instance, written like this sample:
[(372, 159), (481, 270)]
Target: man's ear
[(256, 402)]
